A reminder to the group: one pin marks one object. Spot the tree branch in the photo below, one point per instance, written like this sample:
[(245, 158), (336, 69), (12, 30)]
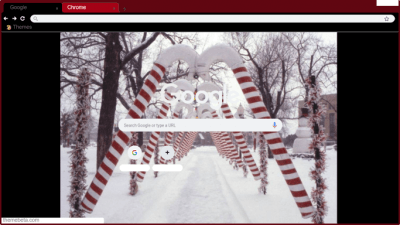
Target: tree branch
[(123, 102), (139, 48), (103, 35), (168, 37)]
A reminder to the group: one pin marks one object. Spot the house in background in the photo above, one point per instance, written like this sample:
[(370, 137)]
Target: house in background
[(329, 120)]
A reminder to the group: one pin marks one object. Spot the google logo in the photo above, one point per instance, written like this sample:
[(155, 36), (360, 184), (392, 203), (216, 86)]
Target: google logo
[(134, 152)]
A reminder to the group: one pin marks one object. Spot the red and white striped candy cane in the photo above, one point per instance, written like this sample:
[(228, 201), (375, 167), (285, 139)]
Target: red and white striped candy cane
[(275, 143), (182, 136), (162, 160), (217, 144), (242, 144), (204, 111), (208, 115), (226, 151), (119, 142), (177, 143), (217, 141), (170, 134), (233, 152), (235, 62), (224, 145), (162, 114), (190, 140), (193, 138), (183, 145), (218, 136), (186, 144), (233, 155)]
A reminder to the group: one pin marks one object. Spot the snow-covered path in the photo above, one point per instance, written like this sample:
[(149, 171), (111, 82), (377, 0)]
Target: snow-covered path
[(195, 195), (208, 190)]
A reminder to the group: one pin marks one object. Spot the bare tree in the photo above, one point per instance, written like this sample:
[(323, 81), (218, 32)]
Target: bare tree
[(82, 49), (67, 127), (270, 62), (313, 58)]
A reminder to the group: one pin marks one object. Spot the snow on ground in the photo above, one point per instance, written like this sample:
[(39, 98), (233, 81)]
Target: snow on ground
[(208, 190)]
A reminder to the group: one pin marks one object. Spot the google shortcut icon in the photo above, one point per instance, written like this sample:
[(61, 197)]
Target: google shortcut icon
[(134, 152)]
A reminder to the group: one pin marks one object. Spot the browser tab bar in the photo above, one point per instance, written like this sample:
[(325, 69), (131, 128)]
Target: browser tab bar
[(90, 7)]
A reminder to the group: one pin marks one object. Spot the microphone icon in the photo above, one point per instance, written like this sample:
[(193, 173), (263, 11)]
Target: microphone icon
[(274, 125)]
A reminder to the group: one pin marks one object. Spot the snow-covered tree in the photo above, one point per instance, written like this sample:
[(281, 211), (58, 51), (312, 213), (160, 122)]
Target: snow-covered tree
[(77, 155), (316, 111)]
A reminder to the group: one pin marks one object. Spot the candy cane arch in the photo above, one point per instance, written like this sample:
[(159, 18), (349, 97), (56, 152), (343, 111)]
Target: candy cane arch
[(222, 140), (181, 136), (155, 135), (191, 136), (224, 145), (218, 144), (104, 172), (234, 61), (162, 114), (234, 154), (183, 145), (177, 143), (168, 138), (204, 112), (210, 87), (187, 140), (180, 85), (216, 139), (215, 136), (242, 144), (230, 150), (207, 115)]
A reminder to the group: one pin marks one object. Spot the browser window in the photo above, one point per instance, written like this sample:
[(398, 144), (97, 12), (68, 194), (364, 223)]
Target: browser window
[(212, 116)]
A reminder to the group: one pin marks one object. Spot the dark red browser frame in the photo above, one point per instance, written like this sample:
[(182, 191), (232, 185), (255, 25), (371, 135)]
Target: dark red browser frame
[(256, 6)]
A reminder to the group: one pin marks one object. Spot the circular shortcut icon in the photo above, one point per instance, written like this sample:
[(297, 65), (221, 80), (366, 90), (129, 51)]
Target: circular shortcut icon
[(134, 152), (167, 152)]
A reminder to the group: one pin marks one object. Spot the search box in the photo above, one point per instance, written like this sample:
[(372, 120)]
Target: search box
[(202, 125), (177, 18)]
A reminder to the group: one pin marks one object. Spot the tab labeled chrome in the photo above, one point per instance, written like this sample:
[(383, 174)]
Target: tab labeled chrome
[(201, 125), (90, 7)]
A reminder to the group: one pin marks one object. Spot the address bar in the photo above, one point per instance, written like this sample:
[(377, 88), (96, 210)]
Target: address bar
[(213, 18)]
